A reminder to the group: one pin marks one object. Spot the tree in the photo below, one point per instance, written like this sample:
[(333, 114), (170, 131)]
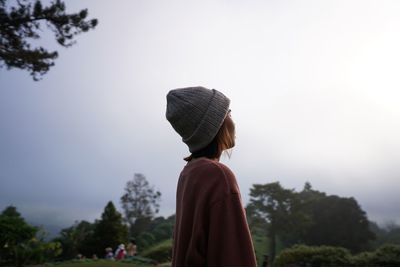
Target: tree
[(140, 203), (156, 230), (78, 238), (339, 221), (110, 231), (13, 232), (336, 221), (162, 228), (92, 238), (278, 207), (309, 217), (21, 243), (23, 21), (386, 234)]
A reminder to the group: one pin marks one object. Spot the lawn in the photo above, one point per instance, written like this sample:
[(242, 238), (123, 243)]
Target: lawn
[(98, 263)]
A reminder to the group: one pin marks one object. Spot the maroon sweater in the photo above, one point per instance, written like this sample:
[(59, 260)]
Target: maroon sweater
[(211, 228)]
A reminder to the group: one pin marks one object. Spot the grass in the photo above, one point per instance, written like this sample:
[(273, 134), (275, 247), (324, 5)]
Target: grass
[(96, 263), (160, 252), (259, 239)]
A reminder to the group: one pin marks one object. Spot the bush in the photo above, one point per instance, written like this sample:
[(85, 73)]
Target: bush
[(322, 256), (385, 256), (145, 240), (305, 256), (161, 252)]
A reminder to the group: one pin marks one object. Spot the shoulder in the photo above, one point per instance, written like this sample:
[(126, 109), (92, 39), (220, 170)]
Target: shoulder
[(221, 175)]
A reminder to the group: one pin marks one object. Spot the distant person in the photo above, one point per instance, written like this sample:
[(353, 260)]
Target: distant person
[(120, 253), (211, 228), (131, 249), (109, 253)]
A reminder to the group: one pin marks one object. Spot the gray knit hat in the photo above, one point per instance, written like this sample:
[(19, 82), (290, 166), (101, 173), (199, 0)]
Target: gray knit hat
[(196, 114)]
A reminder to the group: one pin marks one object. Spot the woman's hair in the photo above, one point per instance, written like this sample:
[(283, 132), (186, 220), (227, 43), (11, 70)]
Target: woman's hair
[(225, 139)]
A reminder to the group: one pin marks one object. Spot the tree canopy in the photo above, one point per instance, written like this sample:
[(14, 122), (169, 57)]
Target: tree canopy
[(78, 238), (22, 22), (14, 229), (339, 221), (140, 202), (110, 231), (279, 208), (21, 243), (309, 217)]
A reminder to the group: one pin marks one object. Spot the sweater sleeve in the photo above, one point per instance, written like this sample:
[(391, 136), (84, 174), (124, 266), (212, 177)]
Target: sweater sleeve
[(229, 240)]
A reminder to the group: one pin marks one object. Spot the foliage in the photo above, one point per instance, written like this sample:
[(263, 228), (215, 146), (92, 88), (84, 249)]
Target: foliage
[(163, 228), (140, 202), (155, 231), (161, 252), (388, 234), (385, 256), (92, 238), (339, 221), (145, 240), (76, 239), (22, 21), (36, 251), (322, 256), (308, 217), (258, 229), (13, 228), (87, 239), (260, 242), (110, 231), (20, 242), (279, 208), (335, 221), (13, 232)]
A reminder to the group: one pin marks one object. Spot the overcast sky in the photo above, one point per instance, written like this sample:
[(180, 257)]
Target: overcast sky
[(314, 89)]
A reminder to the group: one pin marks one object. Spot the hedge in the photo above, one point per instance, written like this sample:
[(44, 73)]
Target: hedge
[(322, 256), (325, 256)]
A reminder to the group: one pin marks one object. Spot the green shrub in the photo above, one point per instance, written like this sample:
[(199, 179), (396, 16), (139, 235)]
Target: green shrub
[(385, 256), (322, 256), (145, 240), (161, 252)]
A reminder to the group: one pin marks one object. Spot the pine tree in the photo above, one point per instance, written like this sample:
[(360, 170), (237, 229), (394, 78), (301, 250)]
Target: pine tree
[(22, 22), (110, 230)]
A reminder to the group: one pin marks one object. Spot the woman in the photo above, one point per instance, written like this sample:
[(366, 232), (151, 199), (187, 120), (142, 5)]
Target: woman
[(211, 228), (131, 249)]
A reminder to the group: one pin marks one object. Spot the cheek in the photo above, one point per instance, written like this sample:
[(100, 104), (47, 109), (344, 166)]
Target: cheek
[(232, 133), (231, 125)]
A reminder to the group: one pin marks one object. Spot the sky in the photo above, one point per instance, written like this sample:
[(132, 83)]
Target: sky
[(314, 92)]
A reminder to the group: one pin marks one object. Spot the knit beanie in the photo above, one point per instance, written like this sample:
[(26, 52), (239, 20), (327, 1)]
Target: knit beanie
[(196, 114)]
